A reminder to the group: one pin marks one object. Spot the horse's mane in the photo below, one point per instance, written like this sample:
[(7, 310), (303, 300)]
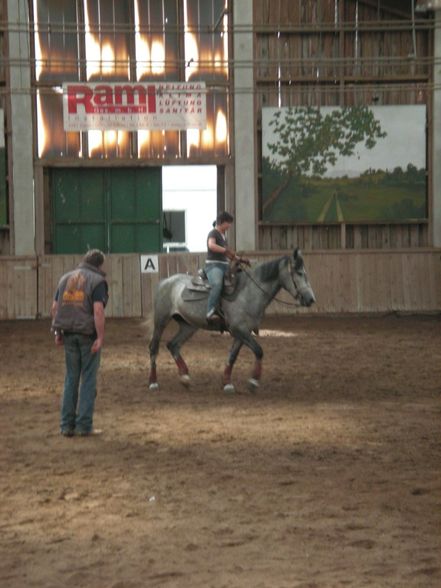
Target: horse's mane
[(269, 270)]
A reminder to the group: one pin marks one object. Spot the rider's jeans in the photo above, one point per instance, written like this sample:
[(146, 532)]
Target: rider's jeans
[(80, 383), (215, 274)]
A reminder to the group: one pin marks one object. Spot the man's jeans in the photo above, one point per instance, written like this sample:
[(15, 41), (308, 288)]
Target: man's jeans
[(81, 372), (215, 274)]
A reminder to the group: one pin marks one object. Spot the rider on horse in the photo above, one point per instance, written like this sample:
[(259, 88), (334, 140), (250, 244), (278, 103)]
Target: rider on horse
[(217, 262)]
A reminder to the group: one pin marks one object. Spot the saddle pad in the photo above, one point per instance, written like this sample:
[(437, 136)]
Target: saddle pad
[(198, 283), (199, 287), (193, 295)]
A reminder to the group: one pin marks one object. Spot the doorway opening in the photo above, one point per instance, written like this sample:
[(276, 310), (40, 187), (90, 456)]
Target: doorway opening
[(189, 204)]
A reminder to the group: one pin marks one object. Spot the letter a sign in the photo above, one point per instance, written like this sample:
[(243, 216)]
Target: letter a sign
[(149, 264)]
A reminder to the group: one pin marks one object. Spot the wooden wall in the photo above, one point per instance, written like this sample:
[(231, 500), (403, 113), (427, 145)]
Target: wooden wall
[(375, 281), (4, 104), (18, 287), (328, 53), (343, 282)]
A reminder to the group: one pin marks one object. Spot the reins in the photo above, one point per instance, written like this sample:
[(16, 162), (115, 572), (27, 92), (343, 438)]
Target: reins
[(250, 276)]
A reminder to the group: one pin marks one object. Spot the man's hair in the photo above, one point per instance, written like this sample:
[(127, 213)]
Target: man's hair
[(224, 217), (94, 257)]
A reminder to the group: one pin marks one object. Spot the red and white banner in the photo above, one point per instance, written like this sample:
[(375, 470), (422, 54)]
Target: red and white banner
[(170, 106)]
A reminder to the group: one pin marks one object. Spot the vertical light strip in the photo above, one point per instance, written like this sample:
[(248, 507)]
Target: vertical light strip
[(279, 75), (225, 38), (142, 56), (191, 56), (41, 131), (93, 50), (142, 50), (158, 57), (38, 52), (356, 48), (95, 140), (191, 51), (93, 66)]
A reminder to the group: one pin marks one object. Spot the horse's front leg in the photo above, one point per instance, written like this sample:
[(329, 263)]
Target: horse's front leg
[(185, 332), (250, 341), (254, 381), (154, 349), (234, 352)]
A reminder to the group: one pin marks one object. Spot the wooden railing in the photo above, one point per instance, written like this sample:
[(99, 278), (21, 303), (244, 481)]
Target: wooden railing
[(343, 282)]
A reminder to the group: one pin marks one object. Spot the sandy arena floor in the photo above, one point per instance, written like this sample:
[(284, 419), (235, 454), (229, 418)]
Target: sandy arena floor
[(329, 476)]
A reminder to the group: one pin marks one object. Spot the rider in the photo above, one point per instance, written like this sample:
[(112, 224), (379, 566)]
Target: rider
[(217, 263)]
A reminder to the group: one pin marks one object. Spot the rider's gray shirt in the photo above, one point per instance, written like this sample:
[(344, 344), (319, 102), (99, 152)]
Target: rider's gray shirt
[(220, 239)]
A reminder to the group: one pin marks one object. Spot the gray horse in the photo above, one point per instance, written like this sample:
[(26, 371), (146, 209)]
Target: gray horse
[(242, 312)]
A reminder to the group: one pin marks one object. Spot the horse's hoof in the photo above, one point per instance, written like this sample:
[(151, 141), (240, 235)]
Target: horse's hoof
[(185, 380), (154, 387), (253, 385), (229, 389)]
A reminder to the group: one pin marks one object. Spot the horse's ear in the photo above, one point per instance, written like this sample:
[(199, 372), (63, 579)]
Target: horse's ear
[(298, 259)]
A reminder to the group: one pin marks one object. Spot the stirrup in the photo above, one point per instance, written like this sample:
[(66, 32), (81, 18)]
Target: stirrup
[(213, 316)]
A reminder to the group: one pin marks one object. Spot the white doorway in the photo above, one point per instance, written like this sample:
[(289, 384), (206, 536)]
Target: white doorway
[(191, 191)]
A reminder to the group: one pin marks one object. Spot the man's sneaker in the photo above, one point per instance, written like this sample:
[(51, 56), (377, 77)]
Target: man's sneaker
[(67, 432)]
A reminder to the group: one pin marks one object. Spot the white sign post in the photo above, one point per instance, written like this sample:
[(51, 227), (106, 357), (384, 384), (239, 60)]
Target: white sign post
[(149, 264)]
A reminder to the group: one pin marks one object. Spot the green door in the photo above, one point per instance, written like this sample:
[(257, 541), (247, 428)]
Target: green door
[(116, 210), (135, 210)]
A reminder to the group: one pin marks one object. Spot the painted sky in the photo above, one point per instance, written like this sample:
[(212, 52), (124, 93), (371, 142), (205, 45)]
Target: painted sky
[(405, 141)]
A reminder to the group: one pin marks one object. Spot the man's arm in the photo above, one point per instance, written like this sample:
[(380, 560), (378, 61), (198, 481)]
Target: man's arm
[(57, 334), (54, 308), (99, 318)]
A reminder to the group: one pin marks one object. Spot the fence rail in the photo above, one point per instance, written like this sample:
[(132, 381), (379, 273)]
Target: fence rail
[(343, 281)]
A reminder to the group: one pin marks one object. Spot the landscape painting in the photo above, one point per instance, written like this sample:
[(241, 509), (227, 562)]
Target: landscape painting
[(342, 165)]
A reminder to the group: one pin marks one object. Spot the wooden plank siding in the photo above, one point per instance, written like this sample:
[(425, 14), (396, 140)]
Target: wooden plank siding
[(370, 282), (18, 287), (309, 54), (343, 281)]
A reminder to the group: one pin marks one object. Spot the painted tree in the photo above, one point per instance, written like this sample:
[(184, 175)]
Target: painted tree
[(308, 142)]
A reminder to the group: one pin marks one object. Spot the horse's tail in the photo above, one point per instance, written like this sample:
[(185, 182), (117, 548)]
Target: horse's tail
[(149, 323), (147, 326)]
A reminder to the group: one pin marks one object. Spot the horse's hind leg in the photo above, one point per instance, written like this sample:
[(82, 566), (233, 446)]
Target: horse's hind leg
[(154, 350), (234, 352), (174, 346)]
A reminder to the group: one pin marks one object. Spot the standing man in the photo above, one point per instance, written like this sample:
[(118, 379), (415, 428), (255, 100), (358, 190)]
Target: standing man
[(78, 323)]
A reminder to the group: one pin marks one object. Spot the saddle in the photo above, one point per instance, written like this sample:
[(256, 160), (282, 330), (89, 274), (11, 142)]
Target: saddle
[(200, 287)]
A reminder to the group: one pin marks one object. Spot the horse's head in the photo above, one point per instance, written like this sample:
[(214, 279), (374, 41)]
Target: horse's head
[(297, 282)]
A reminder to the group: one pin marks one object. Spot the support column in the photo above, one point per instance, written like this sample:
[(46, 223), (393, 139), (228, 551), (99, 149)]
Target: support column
[(436, 129), (244, 127), (21, 151)]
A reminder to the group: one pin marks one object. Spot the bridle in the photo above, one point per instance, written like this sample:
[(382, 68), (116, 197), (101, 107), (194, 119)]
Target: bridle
[(299, 289), (291, 273)]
